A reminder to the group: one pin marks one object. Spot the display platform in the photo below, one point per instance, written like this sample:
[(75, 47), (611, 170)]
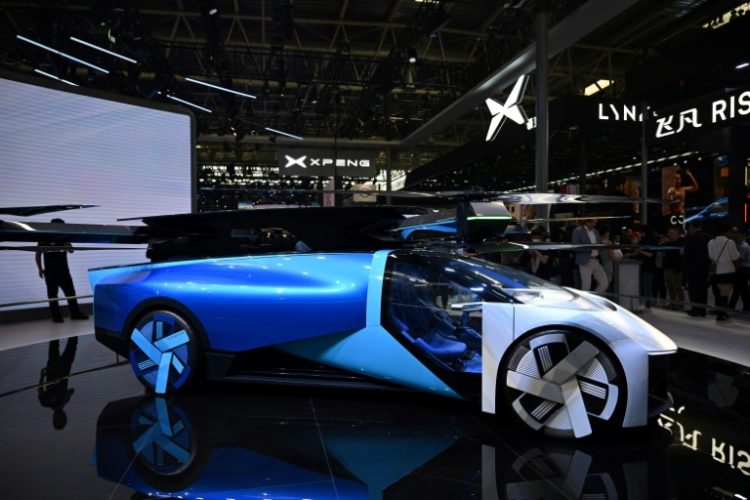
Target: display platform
[(75, 423)]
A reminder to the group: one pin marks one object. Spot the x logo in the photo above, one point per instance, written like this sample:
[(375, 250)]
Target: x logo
[(300, 162), (511, 109), (159, 353)]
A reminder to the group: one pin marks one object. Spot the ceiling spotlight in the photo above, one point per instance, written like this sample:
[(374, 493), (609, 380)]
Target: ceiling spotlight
[(597, 86), (213, 11), (412, 56)]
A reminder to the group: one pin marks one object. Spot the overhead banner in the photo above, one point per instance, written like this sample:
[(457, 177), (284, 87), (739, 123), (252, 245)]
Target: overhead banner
[(326, 162)]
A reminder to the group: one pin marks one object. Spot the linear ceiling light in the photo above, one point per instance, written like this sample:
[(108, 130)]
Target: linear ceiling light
[(223, 89), (188, 103), (280, 132), (102, 49), (50, 75), (62, 54), (597, 86)]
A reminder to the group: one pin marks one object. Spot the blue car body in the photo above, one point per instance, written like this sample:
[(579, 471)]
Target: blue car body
[(325, 308), (245, 302)]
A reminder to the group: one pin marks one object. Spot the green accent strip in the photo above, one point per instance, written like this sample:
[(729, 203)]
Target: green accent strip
[(489, 217)]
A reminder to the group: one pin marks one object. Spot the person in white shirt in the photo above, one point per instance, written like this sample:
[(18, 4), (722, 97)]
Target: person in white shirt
[(588, 260), (723, 252)]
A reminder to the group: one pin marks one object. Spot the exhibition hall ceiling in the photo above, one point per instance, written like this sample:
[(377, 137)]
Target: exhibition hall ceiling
[(344, 69)]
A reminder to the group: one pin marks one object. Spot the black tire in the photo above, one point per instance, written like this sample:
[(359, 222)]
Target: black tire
[(574, 399), (162, 336)]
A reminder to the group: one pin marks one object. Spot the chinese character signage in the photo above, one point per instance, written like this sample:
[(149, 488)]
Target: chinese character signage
[(710, 114)]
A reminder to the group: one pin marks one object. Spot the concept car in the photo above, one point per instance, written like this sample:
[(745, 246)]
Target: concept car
[(565, 362)]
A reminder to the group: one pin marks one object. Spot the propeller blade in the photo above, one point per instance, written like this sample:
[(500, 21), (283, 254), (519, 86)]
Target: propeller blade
[(40, 209), (570, 219), (58, 248), (516, 246), (557, 198)]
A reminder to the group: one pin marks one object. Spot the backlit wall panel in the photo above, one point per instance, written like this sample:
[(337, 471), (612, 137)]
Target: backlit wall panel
[(58, 147)]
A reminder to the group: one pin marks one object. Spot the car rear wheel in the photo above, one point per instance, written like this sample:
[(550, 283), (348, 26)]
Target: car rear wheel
[(562, 383), (164, 351)]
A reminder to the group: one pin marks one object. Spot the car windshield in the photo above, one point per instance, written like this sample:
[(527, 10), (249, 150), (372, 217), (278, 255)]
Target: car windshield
[(491, 282)]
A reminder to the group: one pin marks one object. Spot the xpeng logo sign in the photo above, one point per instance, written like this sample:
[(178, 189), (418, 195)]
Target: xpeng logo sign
[(511, 109), (359, 163), (303, 162), (290, 162)]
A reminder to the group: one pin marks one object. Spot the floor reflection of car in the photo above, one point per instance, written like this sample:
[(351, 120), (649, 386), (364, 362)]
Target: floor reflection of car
[(565, 362), (263, 446)]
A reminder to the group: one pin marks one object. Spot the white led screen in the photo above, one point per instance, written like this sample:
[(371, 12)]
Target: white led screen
[(58, 147)]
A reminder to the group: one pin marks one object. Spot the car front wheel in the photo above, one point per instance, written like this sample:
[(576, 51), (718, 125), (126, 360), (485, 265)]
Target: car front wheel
[(565, 384)]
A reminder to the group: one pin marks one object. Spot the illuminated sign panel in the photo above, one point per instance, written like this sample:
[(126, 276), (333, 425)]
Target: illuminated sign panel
[(699, 116), (619, 112), (719, 112), (323, 162), (511, 109)]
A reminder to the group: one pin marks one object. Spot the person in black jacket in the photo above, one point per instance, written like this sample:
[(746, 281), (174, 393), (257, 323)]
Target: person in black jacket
[(696, 267), (536, 262), (673, 265), (648, 266), (56, 275)]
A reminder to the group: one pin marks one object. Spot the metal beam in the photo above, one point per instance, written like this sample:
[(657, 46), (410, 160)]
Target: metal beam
[(316, 141), (263, 18), (541, 177), (570, 30), (309, 47)]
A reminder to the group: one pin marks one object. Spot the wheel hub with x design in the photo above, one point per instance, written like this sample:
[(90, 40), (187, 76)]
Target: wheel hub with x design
[(160, 354), (560, 383)]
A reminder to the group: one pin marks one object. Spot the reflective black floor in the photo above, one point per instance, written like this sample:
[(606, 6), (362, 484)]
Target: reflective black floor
[(95, 434)]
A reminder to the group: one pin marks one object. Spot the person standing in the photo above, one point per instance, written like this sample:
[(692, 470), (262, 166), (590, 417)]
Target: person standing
[(648, 266), (588, 260), (536, 262), (609, 257), (696, 267), (723, 252), (56, 275), (672, 265), (742, 283)]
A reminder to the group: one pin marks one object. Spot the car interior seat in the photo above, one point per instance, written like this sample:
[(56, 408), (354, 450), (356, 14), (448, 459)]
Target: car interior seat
[(413, 311)]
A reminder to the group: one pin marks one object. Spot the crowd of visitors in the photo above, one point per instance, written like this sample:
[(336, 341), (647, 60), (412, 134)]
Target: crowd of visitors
[(676, 269)]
